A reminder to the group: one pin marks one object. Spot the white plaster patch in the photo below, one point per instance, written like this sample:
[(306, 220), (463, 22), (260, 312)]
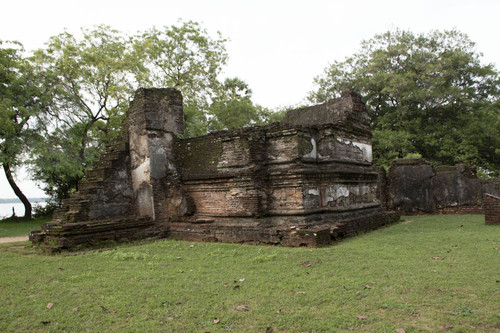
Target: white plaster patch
[(313, 153), (170, 166), (145, 202), (141, 174), (139, 144), (326, 199), (365, 148), (342, 191), (313, 192)]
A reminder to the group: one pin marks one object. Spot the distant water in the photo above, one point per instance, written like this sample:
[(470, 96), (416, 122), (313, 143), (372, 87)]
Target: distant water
[(6, 208)]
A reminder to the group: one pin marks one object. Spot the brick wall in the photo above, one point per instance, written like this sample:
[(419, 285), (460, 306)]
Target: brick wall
[(491, 209)]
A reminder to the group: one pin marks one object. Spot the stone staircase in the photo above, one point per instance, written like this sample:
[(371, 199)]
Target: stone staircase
[(77, 207)]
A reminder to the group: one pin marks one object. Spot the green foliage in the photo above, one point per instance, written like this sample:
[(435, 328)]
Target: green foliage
[(426, 94), (184, 57), (419, 275), (23, 101), (91, 87), (232, 107), (19, 226)]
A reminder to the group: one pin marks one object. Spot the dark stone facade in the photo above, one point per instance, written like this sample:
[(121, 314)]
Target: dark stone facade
[(303, 182), (415, 187), (410, 186)]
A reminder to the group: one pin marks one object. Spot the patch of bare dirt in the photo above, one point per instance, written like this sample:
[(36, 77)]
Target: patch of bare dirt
[(13, 239)]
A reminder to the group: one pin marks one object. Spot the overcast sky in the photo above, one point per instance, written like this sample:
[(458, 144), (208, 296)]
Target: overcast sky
[(277, 47)]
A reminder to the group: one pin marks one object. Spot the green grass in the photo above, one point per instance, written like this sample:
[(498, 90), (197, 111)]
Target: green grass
[(19, 226), (425, 274)]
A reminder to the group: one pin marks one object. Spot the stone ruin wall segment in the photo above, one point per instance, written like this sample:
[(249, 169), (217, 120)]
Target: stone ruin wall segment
[(305, 181)]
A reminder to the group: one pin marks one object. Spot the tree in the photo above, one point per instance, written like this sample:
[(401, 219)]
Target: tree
[(92, 85), (22, 100), (233, 107), (426, 94), (185, 57)]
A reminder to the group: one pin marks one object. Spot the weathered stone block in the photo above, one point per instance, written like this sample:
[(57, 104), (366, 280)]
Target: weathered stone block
[(348, 111), (491, 209), (491, 186), (410, 187), (454, 186)]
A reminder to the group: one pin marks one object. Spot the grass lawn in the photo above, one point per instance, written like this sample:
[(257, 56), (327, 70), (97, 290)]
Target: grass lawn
[(19, 226), (424, 274)]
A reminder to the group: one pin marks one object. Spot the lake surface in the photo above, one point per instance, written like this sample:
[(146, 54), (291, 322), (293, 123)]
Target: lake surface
[(6, 208)]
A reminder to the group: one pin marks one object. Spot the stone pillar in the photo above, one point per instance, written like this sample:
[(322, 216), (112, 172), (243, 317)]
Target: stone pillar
[(155, 119), (491, 206)]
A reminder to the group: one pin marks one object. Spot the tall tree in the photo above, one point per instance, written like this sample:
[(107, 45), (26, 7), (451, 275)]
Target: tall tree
[(92, 81), (21, 102), (426, 93), (185, 57)]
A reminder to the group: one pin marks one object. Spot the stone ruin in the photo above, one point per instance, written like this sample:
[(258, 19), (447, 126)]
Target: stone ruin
[(303, 182), (412, 186)]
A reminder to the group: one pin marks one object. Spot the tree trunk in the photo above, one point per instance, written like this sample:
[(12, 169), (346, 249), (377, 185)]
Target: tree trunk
[(17, 191)]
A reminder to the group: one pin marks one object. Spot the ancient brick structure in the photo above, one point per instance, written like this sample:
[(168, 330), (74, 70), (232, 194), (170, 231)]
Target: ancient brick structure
[(415, 187), (491, 209), (303, 182)]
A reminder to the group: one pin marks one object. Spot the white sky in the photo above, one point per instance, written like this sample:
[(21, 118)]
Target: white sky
[(277, 47)]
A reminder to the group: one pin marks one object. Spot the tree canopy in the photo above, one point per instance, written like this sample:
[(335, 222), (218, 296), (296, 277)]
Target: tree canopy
[(187, 58), (427, 94), (22, 109), (91, 87), (232, 107)]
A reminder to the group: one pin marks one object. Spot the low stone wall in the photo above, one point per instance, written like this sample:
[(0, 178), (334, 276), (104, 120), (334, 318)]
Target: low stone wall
[(491, 186), (415, 187)]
